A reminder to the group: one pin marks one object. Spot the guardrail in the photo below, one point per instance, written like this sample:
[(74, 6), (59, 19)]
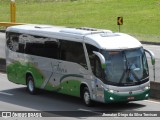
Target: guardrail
[(155, 90), (7, 24)]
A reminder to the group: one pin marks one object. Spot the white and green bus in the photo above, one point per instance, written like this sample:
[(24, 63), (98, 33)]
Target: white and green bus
[(93, 64)]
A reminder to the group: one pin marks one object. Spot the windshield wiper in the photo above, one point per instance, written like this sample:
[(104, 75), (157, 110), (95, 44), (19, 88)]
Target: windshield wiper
[(131, 72), (128, 71)]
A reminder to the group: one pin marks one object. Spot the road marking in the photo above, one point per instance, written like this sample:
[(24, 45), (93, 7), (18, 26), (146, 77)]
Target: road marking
[(101, 113), (5, 93), (152, 101), (85, 110)]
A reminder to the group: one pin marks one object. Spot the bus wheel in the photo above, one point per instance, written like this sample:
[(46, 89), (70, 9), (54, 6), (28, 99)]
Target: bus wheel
[(30, 85), (86, 97)]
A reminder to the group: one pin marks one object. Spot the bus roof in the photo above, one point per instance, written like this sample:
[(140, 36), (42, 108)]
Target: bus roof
[(103, 39)]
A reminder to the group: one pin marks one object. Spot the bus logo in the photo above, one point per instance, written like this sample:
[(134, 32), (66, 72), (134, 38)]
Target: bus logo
[(6, 114)]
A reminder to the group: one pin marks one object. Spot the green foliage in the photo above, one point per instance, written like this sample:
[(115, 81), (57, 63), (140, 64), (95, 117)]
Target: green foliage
[(141, 17)]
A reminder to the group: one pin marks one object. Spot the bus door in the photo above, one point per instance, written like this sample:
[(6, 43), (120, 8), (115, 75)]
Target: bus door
[(97, 83), (97, 71)]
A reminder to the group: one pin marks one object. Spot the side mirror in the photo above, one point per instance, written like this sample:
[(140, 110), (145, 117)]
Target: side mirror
[(102, 59), (152, 61), (152, 56)]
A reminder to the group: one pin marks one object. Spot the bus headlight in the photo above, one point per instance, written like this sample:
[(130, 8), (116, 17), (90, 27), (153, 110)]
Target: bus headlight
[(146, 95), (146, 88), (111, 91)]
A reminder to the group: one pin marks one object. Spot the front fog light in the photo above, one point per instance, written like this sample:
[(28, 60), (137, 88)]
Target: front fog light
[(111, 98), (146, 95)]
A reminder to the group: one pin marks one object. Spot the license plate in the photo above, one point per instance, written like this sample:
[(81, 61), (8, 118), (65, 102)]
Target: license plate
[(130, 98)]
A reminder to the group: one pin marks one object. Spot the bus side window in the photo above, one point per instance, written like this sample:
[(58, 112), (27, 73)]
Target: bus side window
[(13, 42), (35, 49), (72, 52), (98, 69), (95, 62), (91, 55), (51, 49)]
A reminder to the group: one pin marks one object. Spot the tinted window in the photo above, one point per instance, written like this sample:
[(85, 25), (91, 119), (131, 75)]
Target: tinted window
[(40, 47), (95, 62), (13, 42), (35, 49), (51, 49), (73, 52), (92, 57)]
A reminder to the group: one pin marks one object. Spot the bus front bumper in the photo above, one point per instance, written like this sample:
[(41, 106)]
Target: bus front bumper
[(115, 97)]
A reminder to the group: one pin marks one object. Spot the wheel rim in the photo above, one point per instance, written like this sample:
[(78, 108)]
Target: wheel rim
[(86, 97), (30, 86)]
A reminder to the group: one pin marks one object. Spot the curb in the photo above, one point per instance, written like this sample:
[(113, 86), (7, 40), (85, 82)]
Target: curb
[(2, 65), (150, 43), (3, 31)]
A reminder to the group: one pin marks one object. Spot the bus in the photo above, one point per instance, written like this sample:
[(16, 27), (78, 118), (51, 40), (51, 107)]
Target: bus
[(93, 64)]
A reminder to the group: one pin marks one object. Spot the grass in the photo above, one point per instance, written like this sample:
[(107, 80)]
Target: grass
[(141, 17)]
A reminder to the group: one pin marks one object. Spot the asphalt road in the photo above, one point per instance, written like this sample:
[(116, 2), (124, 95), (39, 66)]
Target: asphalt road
[(14, 97)]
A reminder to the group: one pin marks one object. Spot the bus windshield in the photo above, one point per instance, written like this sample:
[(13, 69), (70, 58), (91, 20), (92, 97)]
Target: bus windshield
[(127, 67)]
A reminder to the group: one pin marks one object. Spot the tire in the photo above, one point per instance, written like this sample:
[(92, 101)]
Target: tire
[(86, 97), (30, 85)]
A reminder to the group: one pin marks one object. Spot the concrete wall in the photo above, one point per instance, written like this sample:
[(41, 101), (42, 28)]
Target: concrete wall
[(2, 65), (155, 90)]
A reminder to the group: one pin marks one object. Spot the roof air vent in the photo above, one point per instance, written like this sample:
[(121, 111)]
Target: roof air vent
[(86, 28), (40, 27)]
